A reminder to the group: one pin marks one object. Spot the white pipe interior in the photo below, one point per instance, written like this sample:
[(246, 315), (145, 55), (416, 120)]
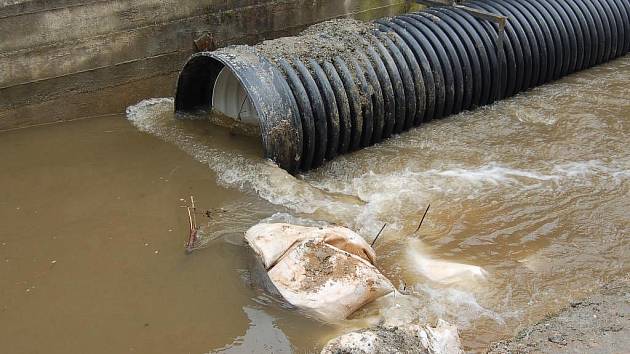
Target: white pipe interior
[(230, 98)]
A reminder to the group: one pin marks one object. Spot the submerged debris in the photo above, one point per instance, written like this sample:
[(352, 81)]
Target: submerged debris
[(235, 126)]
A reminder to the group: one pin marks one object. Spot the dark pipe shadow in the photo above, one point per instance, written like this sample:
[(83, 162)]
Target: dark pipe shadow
[(196, 82)]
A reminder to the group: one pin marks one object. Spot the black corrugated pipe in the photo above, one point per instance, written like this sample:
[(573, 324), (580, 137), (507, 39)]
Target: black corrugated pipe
[(343, 85)]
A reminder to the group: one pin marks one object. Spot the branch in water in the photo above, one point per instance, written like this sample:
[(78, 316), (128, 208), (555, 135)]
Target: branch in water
[(192, 221), (377, 235), (421, 221)]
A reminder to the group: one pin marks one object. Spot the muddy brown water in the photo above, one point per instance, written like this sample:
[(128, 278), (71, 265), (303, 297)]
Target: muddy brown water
[(534, 189)]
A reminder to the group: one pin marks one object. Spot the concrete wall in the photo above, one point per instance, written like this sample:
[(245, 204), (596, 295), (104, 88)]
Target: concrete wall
[(70, 59)]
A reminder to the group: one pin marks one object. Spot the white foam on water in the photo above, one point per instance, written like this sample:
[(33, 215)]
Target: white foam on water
[(273, 184), (583, 169), (380, 197), (458, 306), (143, 114), (292, 219), (440, 271), (492, 174)]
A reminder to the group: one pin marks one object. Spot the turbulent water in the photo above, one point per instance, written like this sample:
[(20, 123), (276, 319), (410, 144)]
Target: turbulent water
[(534, 189)]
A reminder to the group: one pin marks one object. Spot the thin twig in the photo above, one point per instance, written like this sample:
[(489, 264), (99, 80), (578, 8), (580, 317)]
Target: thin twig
[(421, 221), (241, 110), (377, 235), (192, 202), (192, 221)]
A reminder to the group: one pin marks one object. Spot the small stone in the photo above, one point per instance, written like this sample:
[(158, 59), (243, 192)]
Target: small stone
[(156, 251), (558, 339), (53, 262), (612, 328)]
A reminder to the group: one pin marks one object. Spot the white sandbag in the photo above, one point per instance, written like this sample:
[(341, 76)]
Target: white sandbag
[(326, 280), (271, 241), (327, 271), (349, 241)]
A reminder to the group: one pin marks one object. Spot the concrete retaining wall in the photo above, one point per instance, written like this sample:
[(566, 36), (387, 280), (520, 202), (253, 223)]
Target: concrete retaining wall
[(70, 59)]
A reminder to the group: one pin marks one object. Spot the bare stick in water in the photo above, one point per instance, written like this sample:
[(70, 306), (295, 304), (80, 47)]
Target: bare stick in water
[(192, 237), (421, 221), (190, 220), (194, 209), (377, 235)]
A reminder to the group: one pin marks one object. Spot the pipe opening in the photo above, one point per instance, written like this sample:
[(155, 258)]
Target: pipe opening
[(231, 101), (195, 83), (208, 86), (231, 106)]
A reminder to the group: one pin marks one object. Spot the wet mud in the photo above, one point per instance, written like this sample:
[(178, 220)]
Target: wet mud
[(597, 324)]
